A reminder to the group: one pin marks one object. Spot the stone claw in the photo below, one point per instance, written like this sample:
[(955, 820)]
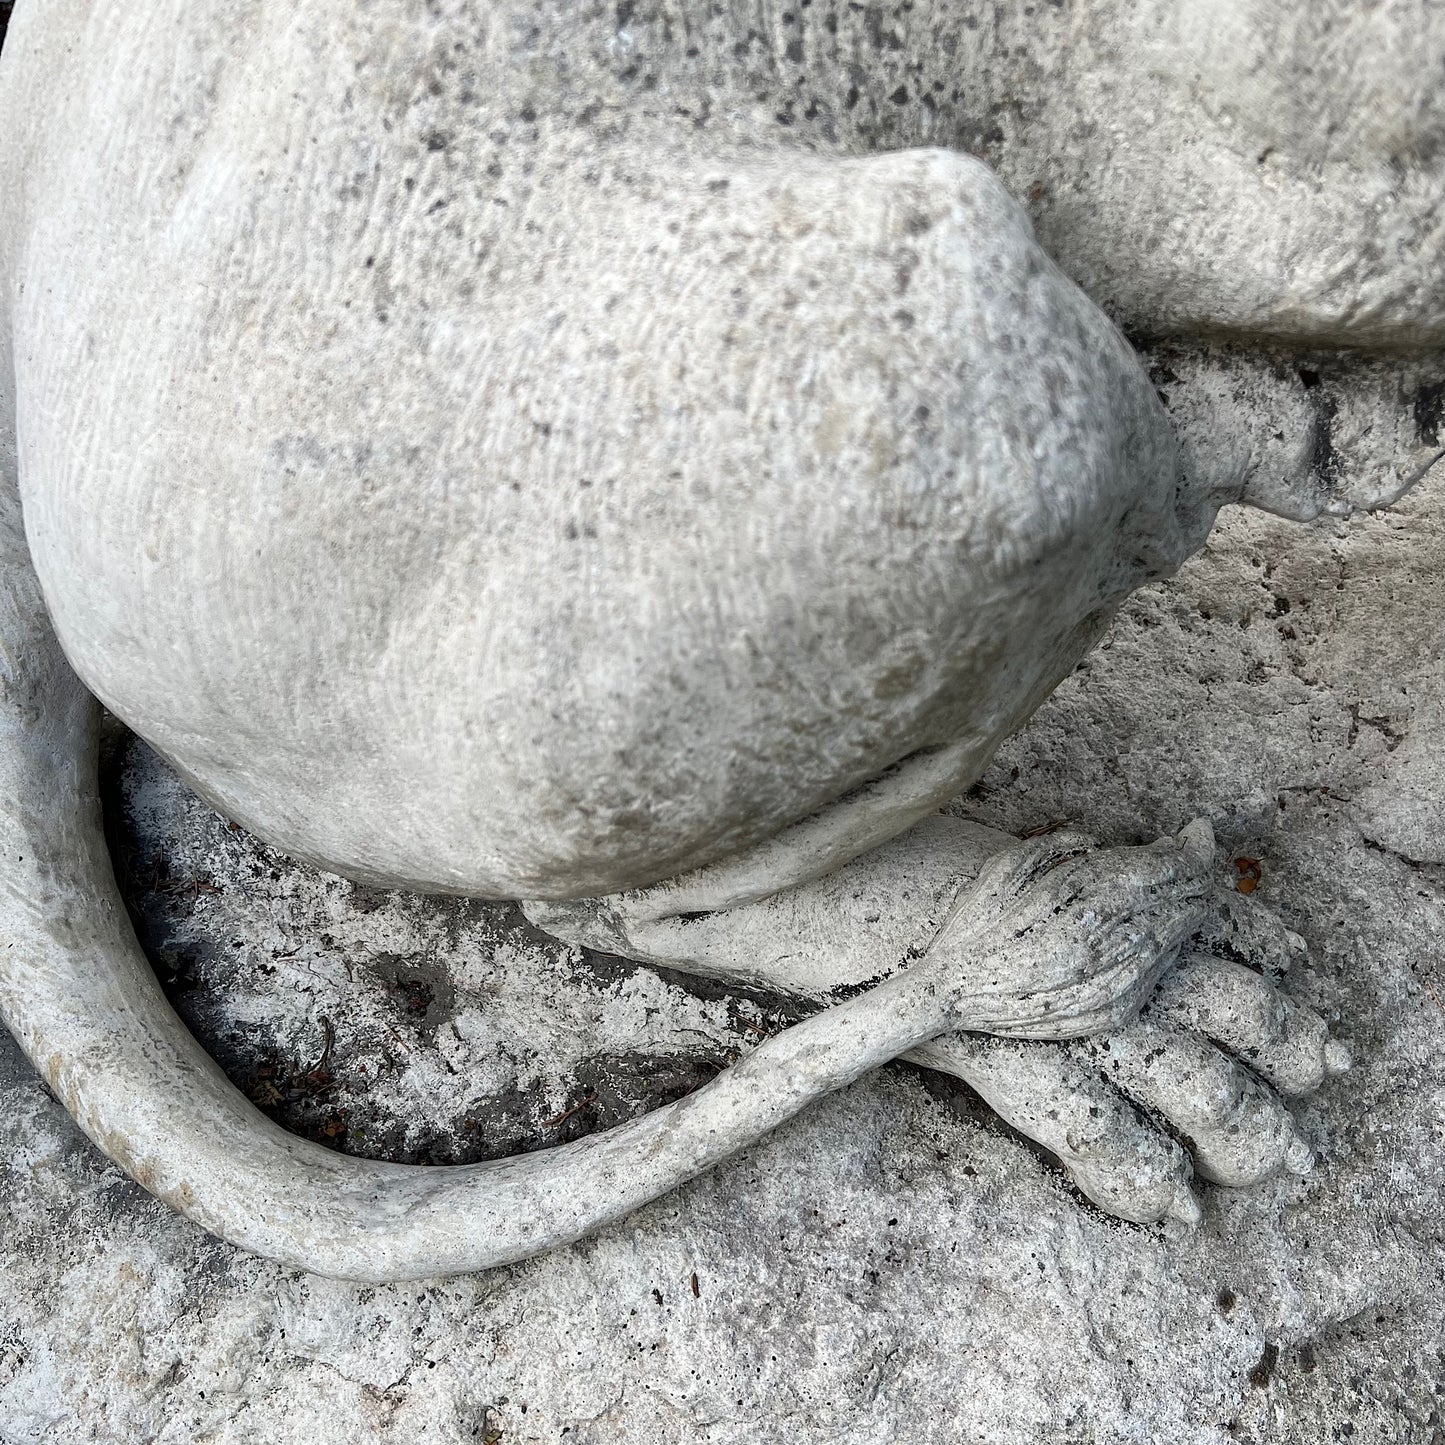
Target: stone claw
[(1185, 1207)]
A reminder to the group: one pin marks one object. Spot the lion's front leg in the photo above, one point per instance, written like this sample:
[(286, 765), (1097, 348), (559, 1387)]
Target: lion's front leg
[(1196, 1086), (1134, 1104)]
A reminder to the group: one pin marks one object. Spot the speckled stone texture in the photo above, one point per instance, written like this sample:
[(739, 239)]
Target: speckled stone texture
[(894, 1265), (891, 1266)]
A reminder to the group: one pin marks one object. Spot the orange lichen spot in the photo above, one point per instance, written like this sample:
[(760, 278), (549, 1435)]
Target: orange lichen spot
[(1250, 873)]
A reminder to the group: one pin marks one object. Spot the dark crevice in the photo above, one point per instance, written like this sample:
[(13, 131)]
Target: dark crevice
[(325, 1081), (1430, 413)]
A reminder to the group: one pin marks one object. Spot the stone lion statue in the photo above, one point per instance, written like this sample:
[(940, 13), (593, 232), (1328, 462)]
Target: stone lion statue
[(634, 460)]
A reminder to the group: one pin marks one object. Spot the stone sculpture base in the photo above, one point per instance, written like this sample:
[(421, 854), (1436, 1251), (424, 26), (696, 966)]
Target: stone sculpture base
[(891, 1266)]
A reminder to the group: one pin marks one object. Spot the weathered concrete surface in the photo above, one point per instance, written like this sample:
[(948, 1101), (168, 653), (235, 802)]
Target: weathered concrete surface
[(1290, 684), (893, 1265)]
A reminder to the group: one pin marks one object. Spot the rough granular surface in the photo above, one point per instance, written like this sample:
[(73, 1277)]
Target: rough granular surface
[(893, 1265)]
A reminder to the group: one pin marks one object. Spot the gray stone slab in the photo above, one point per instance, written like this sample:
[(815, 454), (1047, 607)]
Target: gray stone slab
[(893, 1265)]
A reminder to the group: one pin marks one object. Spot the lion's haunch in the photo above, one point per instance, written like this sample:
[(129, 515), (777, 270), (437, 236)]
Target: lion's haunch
[(657, 500)]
